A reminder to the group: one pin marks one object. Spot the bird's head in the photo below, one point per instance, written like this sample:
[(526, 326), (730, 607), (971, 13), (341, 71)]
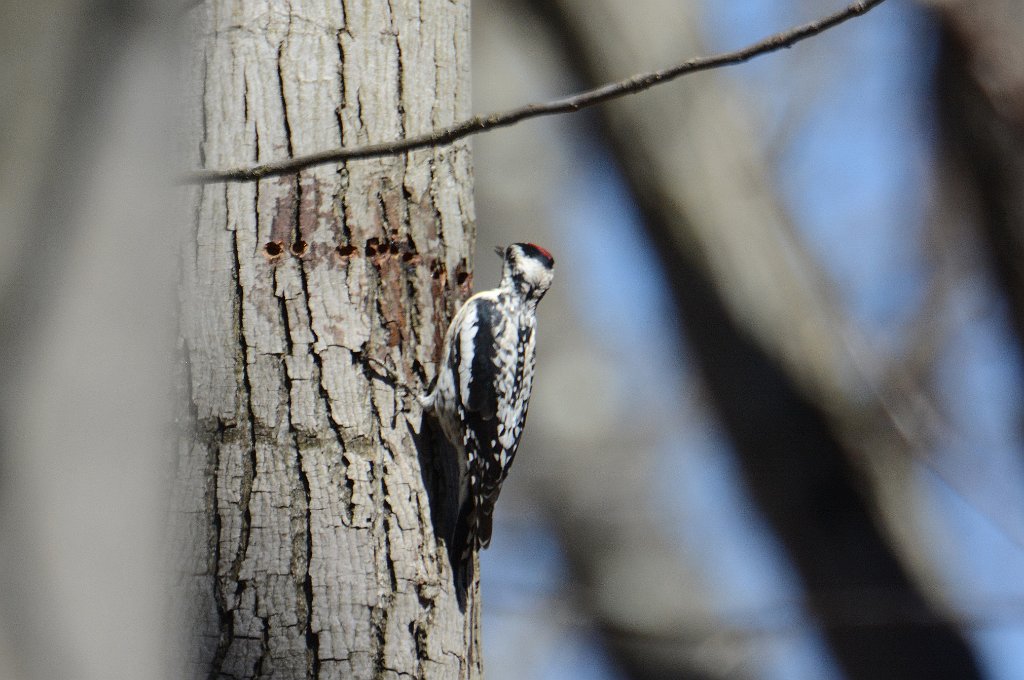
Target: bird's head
[(528, 268)]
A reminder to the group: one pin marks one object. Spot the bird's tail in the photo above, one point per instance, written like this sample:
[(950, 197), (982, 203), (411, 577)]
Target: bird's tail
[(460, 553)]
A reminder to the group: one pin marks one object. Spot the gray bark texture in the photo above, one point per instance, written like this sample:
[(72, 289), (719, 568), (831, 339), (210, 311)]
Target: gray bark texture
[(310, 549)]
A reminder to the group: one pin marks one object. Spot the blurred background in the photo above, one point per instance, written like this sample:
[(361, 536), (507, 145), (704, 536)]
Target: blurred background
[(777, 428)]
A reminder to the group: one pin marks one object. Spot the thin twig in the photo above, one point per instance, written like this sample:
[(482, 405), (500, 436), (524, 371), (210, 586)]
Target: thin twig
[(472, 126)]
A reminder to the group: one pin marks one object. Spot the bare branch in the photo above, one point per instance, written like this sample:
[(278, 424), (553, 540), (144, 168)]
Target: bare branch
[(477, 124)]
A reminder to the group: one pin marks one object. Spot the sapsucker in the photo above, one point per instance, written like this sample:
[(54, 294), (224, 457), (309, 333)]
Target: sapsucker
[(482, 389)]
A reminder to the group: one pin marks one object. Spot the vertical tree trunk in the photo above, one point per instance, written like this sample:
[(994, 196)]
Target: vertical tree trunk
[(312, 552)]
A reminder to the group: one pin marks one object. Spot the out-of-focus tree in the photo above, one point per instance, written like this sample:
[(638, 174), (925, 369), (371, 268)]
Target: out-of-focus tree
[(85, 271)]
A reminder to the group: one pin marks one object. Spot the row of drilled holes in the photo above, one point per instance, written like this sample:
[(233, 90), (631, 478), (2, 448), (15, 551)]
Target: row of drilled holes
[(374, 248), (274, 249)]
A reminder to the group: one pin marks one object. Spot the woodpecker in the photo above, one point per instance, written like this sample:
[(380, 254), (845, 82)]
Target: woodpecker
[(482, 389)]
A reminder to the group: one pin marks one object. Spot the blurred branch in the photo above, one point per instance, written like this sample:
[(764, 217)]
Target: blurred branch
[(903, 397), (482, 123), (980, 93), (773, 346)]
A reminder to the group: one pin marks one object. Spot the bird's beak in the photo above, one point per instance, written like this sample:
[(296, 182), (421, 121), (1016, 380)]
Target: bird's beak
[(500, 250)]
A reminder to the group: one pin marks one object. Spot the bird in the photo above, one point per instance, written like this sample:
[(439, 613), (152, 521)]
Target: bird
[(481, 393)]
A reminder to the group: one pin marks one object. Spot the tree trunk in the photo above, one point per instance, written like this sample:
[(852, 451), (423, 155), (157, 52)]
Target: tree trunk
[(311, 548)]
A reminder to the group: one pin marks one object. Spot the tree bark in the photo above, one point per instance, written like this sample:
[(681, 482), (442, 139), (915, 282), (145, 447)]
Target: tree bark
[(310, 546)]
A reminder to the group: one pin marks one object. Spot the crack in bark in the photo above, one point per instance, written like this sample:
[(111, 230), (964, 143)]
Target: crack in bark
[(256, 150), (342, 87), (399, 73), (245, 98), (385, 222), (249, 470), (225, 612), (387, 516), (297, 224), (378, 628), (381, 610), (256, 211), (312, 637), (265, 638), (284, 101), (224, 616), (346, 230)]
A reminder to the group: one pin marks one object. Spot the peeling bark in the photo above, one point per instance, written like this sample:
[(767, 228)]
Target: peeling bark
[(310, 547)]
